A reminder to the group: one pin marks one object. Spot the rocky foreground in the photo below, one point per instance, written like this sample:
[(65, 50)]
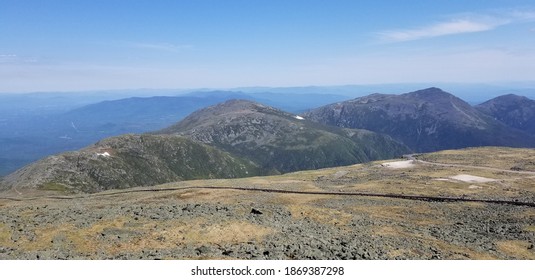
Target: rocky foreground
[(187, 221)]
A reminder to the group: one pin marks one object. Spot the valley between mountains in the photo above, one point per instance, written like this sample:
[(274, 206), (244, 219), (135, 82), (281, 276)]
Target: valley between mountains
[(421, 175)]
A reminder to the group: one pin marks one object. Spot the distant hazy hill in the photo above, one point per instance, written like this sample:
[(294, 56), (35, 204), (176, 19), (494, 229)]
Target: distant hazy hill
[(294, 102), (279, 141), (424, 120), (513, 110), (26, 139)]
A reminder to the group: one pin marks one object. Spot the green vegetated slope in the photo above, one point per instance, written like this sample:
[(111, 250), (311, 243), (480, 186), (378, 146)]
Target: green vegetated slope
[(129, 161), (281, 142)]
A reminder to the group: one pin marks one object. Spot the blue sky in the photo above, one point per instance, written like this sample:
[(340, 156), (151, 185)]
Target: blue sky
[(112, 44)]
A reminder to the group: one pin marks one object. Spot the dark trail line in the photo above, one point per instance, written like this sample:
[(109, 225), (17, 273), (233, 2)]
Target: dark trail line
[(398, 196)]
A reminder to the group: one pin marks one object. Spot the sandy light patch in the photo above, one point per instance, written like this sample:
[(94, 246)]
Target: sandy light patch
[(444, 179), (399, 164), (472, 179), (340, 174)]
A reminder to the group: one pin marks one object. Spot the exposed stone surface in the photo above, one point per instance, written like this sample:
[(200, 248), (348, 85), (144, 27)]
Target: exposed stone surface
[(143, 230)]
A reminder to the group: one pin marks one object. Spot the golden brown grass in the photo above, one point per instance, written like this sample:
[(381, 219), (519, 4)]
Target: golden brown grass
[(418, 214), (460, 252), (496, 157), (321, 215), (517, 249), (530, 228), (142, 235), (5, 235), (197, 231), (453, 251)]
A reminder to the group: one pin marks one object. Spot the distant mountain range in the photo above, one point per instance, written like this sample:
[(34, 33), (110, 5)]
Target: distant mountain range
[(234, 139), (238, 138), (424, 120)]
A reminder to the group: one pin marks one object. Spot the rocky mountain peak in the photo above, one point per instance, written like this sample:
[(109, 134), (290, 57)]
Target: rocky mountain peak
[(235, 105), (513, 110), (508, 99), (236, 112), (430, 94)]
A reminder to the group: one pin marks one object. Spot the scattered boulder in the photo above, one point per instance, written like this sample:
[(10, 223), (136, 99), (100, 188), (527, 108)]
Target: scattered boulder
[(256, 212)]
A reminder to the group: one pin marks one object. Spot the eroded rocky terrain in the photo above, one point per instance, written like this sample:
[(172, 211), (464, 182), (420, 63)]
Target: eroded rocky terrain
[(186, 220)]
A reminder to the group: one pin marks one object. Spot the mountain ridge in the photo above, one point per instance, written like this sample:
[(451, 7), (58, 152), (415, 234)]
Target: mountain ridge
[(130, 161), (513, 110), (264, 134), (424, 120)]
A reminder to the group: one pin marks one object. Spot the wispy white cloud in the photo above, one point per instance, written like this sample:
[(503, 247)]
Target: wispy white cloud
[(467, 23), (457, 26), (159, 46), (522, 15), (17, 59), (8, 58)]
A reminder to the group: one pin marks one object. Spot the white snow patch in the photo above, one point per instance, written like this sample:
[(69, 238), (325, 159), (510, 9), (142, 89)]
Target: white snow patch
[(399, 164), (299, 117), (471, 178), (105, 154), (474, 187)]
